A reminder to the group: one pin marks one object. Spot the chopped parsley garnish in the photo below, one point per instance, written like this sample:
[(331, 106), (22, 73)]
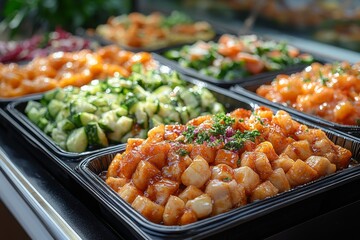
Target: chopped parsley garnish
[(182, 152), (306, 80), (238, 140), (220, 132), (323, 79), (337, 69), (238, 162), (258, 118), (189, 133), (227, 179), (222, 122)]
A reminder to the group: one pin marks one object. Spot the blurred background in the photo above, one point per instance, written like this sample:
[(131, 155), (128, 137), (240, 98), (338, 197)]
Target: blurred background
[(336, 22)]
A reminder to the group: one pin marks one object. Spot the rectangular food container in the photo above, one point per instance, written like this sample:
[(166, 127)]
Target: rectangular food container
[(248, 89), (16, 111), (301, 200), (102, 41), (158, 55)]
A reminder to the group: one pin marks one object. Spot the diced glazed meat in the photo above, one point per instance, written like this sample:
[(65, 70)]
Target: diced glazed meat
[(188, 217), (160, 191), (174, 171), (206, 152), (224, 162), (156, 153), (279, 180), (190, 193), (145, 171), (227, 157), (247, 177), (116, 183), (128, 163), (264, 190), (268, 149), (114, 166), (150, 210), (174, 209), (197, 173), (201, 206), (132, 143), (237, 193), (284, 162), (222, 172), (129, 192), (298, 150), (300, 173), (321, 165), (263, 166), (220, 194)]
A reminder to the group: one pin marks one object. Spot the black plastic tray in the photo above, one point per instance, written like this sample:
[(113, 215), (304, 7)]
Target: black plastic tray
[(16, 110), (119, 211), (303, 204), (158, 55), (248, 89)]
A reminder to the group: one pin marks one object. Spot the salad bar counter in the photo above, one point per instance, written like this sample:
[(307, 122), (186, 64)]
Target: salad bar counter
[(188, 136)]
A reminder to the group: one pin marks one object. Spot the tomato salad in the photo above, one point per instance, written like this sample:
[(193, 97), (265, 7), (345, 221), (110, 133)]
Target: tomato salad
[(233, 57)]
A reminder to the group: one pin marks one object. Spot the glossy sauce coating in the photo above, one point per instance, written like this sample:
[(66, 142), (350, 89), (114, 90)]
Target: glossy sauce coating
[(330, 91), (172, 180), (62, 69)]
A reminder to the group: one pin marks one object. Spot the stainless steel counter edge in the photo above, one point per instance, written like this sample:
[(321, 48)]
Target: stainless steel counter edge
[(32, 211)]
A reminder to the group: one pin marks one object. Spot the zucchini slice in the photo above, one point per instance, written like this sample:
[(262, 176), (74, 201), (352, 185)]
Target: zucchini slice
[(95, 135), (80, 106), (32, 104), (155, 121), (122, 126), (140, 114), (77, 141), (59, 137), (82, 119), (35, 114), (190, 98), (108, 120), (54, 107)]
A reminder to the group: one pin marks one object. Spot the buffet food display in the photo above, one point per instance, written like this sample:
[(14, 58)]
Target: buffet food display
[(62, 69), (137, 30), (184, 173), (235, 57), (172, 148), (330, 91)]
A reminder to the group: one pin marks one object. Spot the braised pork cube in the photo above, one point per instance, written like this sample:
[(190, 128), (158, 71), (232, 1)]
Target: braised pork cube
[(174, 209), (247, 177), (264, 190), (190, 193), (144, 172), (150, 210), (321, 165), (279, 180), (197, 173), (300, 173)]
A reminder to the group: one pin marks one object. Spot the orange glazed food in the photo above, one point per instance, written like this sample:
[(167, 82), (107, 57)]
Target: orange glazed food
[(330, 91), (61, 69), (183, 173)]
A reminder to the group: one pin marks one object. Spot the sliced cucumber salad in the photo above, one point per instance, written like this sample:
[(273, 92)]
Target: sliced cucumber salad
[(111, 111)]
